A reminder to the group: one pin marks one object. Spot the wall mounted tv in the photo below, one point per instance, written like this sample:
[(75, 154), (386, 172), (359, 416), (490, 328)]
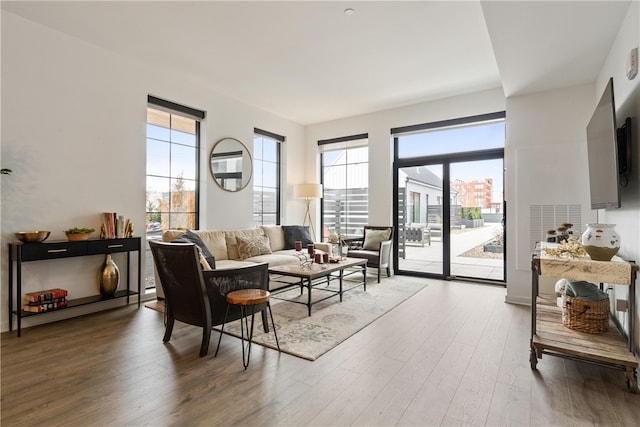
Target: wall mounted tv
[(602, 150)]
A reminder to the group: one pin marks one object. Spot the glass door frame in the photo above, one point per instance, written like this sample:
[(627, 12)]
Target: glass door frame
[(445, 160)]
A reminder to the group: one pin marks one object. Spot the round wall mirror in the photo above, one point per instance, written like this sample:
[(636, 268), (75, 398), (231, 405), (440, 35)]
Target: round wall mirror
[(230, 164)]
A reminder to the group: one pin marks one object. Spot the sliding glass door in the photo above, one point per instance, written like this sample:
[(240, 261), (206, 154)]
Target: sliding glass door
[(420, 217), (449, 204), (477, 216)]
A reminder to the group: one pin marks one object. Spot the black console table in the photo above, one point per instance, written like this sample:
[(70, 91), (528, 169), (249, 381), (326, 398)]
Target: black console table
[(23, 252)]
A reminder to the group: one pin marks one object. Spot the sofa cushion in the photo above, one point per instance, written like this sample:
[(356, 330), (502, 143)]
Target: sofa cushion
[(232, 243), (372, 257), (252, 246), (190, 237), (373, 238), (277, 258), (213, 240), (275, 235), (293, 233), (228, 263)]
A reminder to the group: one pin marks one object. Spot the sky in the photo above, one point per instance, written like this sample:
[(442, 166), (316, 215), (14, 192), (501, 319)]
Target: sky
[(457, 140)]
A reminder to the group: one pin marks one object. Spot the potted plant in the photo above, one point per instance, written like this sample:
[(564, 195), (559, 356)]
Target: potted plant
[(77, 233)]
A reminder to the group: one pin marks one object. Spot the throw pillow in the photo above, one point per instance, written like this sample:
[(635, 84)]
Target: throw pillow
[(373, 238), (203, 261), (292, 233), (253, 246), (191, 237), (275, 235)]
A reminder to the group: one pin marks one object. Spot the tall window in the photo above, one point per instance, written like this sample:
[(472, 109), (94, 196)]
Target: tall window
[(173, 141), (345, 179), (266, 177)]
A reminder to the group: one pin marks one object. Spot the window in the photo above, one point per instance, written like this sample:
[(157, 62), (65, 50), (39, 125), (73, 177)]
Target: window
[(451, 136), (414, 206), (345, 179), (173, 142), (266, 177)]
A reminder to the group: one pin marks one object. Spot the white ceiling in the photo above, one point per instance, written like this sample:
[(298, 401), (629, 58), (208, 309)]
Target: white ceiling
[(309, 62)]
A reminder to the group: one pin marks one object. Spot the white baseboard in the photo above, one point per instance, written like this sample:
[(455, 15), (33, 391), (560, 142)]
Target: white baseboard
[(517, 300)]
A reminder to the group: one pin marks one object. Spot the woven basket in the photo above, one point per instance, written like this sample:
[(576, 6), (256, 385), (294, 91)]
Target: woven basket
[(584, 315)]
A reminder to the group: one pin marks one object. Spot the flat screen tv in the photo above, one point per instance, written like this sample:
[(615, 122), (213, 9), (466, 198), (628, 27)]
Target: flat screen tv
[(602, 151)]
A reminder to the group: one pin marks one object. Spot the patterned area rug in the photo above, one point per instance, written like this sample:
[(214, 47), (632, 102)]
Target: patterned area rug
[(331, 321)]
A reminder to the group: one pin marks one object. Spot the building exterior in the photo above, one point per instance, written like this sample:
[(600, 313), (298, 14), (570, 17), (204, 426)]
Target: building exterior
[(474, 193)]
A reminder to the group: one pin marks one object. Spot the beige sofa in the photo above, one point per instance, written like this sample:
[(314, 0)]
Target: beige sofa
[(229, 252)]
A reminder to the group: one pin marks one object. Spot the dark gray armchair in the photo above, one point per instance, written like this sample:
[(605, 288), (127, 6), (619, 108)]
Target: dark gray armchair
[(198, 297), (375, 246)]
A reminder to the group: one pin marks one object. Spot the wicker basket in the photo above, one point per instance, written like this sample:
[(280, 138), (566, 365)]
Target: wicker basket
[(584, 315)]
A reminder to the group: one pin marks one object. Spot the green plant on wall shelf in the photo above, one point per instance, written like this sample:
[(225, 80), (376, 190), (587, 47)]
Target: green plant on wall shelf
[(5, 171)]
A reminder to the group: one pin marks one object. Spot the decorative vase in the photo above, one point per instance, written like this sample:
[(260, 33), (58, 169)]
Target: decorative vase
[(336, 252), (109, 277), (601, 241)]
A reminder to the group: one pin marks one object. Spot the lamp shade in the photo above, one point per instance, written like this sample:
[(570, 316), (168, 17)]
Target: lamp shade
[(308, 191)]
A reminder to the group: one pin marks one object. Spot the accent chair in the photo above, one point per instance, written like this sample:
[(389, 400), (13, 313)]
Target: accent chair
[(375, 246)]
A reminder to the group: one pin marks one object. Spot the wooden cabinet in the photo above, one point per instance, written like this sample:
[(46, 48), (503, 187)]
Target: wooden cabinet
[(548, 334), (26, 252)]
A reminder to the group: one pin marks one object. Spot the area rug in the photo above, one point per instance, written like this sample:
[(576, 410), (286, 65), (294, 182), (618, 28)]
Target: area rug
[(331, 321)]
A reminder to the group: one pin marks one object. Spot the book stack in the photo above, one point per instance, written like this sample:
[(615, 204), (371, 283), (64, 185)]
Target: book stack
[(115, 227), (47, 300)]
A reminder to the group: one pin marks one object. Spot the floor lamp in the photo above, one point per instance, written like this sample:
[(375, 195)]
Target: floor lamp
[(308, 192)]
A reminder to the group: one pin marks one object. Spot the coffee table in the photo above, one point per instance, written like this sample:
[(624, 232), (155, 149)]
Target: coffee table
[(313, 275)]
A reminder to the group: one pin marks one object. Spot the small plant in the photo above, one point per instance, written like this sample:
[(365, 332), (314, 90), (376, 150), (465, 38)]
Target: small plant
[(76, 230), (498, 237), (471, 213), (5, 171)]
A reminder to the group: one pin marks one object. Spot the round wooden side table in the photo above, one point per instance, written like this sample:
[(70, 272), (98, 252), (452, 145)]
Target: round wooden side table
[(247, 298)]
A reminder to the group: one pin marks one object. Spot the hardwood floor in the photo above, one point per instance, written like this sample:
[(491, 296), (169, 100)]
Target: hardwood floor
[(454, 354)]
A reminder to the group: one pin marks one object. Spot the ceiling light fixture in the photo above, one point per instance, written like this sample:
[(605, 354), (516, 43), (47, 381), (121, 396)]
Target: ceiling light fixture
[(349, 11)]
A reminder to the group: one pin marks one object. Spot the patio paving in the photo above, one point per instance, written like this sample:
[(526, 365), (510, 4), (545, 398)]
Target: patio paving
[(429, 258)]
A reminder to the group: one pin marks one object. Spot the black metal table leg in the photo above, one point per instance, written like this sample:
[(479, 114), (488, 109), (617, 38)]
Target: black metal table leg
[(309, 296)]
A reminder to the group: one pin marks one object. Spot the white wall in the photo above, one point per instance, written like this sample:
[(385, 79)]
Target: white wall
[(627, 100), (73, 131), (546, 164)]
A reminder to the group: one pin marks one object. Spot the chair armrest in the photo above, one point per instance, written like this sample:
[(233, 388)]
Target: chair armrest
[(385, 252)]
